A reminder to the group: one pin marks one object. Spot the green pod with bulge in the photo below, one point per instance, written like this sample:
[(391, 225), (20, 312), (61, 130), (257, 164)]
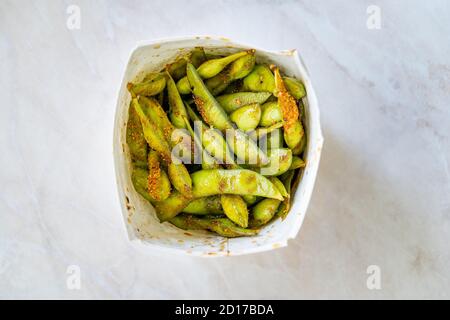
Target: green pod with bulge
[(158, 183), (298, 150), (210, 110), (295, 87), (213, 67), (232, 102), (238, 181), (248, 117), (279, 185), (139, 178), (152, 133), (172, 206), (177, 69), (245, 148), (157, 115), (270, 114), (280, 161), (216, 146), (261, 79), (263, 212), (180, 178), (205, 206), (135, 138), (149, 88), (177, 109), (222, 226), (285, 206), (183, 86), (250, 200), (235, 209), (297, 163)]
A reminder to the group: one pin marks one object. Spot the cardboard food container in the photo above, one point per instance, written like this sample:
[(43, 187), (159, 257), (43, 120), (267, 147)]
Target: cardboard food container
[(144, 229)]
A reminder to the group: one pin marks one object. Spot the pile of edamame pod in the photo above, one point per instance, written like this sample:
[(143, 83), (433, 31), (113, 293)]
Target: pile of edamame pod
[(216, 142)]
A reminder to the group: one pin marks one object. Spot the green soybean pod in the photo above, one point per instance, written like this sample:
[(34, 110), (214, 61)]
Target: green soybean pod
[(135, 138), (247, 118), (245, 148), (157, 115), (232, 102), (183, 86), (148, 88), (280, 161), (238, 181), (235, 209), (172, 206), (180, 178), (210, 110), (139, 178), (205, 206), (261, 79), (250, 200), (270, 114), (177, 109), (212, 67), (263, 212), (158, 182), (285, 206), (279, 185), (297, 163), (295, 87)]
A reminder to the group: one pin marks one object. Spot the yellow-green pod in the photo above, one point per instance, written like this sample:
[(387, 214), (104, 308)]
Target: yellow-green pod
[(263, 212), (247, 118), (232, 102), (180, 178), (235, 209), (212, 67), (172, 206), (240, 182), (280, 186), (271, 114), (159, 186), (177, 69), (297, 163), (139, 178), (250, 200), (177, 109), (274, 139), (197, 57), (157, 115), (262, 132), (135, 138), (183, 86), (295, 87), (245, 148), (204, 206), (280, 161), (216, 146), (148, 88), (261, 79), (298, 150), (285, 206)]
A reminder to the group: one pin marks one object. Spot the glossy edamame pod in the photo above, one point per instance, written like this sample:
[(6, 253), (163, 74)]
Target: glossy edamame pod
[(263, 212), (213, 67), (237, 70), (157, 115), (204, 206), (222, 226), (247, 117), (235, 209), (217, 147), (295, 87), (183, 86), (191, 113), (245, 148), (210, 110), (261, 79), (271, 114), (159, 186), (149, 88), (280, 161), (279, 185), (135, 138), (152, 133), (234, 101), (180, 178), (293, 129), (139, 178), (285, 206), (177, 109), (239, 181), (297, 162), (172, 206), (298, 150), (250, 200)]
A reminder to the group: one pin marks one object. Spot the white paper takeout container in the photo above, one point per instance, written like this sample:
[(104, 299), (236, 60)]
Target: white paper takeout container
[(143, 227)]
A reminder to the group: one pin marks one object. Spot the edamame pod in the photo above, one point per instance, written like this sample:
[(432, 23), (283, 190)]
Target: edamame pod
[(279, 185), (234, 101), (172, 206), (298, 150), (180, 178), (139, 178), (285, 206), (247, 118), (158, 182), (210, 110), (263, 212), (293, 129), (260, 133), (157, 115), (148, 88), (235, 209), (222, 226), (271, 114), (183, 86), (295, 87), (152, 133), (212, 67), (297, 162), (280, 161), (240, 182), (261, 79), (245, 148), (177, 69), (250, 200), (135, 138), (204, 206), (177, 109)]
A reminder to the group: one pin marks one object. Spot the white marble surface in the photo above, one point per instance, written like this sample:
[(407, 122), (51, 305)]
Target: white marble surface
[(383, 191)]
